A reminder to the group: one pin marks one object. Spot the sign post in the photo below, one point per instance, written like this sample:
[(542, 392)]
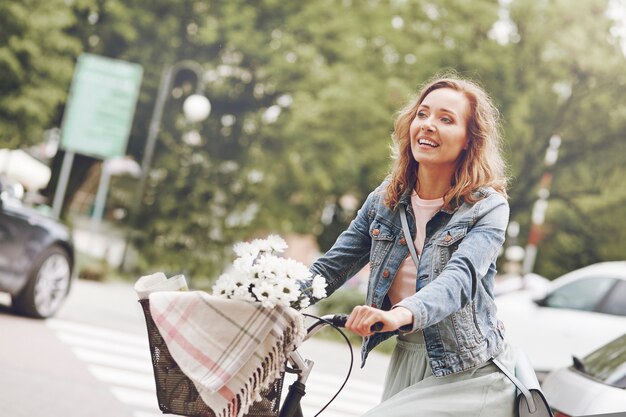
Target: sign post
[(99, 113)]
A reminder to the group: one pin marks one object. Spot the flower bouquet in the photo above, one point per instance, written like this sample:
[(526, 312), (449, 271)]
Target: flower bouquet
[(260, 275)]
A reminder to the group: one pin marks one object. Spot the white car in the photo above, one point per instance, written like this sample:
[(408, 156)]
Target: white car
[(595, 384), (577, 313)]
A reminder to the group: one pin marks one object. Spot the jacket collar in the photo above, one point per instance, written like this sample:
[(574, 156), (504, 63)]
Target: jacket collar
[(405, 199)]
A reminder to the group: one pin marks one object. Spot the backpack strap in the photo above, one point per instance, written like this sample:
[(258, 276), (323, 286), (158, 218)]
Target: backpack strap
[(407, 235)]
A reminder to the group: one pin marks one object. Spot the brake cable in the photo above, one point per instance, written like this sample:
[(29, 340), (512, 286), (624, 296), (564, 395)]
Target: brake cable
[(345, 381)]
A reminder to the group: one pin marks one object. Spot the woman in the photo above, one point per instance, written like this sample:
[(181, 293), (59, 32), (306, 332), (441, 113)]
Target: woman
[(448, 175)]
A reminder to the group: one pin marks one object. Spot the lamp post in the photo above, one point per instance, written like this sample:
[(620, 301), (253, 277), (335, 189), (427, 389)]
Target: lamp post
[(541, 205), (196, 109)]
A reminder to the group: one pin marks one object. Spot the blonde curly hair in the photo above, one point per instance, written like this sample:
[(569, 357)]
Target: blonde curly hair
[(481, 165)]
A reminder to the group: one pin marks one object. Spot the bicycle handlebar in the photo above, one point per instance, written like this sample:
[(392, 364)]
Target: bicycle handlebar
[(337, 320), (340, 320)]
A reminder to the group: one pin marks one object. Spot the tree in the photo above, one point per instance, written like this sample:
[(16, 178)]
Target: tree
[(569, 81), (303, 99), (36, 61), (303, 103)]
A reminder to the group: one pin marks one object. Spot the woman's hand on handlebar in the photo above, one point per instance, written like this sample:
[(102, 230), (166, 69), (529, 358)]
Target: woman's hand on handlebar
[(363, 318)]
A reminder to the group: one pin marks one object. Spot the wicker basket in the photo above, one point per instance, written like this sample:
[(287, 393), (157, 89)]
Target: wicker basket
[(177, 394)]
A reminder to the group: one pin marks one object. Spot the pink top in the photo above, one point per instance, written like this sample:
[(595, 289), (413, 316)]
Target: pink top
[(404, 283)]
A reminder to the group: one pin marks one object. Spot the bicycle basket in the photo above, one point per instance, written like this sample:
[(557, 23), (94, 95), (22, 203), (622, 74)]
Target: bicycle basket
[(176, 393)]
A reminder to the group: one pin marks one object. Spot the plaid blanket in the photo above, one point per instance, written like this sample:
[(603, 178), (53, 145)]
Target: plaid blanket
[(230, 349)]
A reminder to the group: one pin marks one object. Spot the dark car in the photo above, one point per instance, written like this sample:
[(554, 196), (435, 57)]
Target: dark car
[(36, 258)]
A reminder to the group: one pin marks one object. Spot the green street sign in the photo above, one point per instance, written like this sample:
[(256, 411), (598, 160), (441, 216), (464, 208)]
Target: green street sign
[(101, 106)]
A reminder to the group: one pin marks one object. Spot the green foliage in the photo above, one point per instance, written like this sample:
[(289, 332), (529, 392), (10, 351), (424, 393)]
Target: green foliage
[(569, 82), (341, 302), (36, 61), (304, 96)]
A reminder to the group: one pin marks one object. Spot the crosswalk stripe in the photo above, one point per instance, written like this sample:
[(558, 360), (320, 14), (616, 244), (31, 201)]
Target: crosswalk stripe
[(353, 408), (122, 360), (107, 359), (139, 398), (316, 397), (98, 332), (104, 345), (310, 411), (335, 381), (123, 377), (144, 414)]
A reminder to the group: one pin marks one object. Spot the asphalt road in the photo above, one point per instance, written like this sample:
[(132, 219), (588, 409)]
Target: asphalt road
[(92, 360)]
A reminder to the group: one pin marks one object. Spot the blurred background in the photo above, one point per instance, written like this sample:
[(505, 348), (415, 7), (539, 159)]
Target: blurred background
[(243, 118), (302, 99)]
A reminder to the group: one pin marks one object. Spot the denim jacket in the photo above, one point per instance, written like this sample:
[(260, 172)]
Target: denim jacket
[(454, 301)]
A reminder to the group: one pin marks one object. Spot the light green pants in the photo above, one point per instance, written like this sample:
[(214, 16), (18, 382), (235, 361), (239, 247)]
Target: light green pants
[(411, 389)]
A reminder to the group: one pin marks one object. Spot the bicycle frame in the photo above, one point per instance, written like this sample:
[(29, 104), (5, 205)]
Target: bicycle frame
[(302, 367)]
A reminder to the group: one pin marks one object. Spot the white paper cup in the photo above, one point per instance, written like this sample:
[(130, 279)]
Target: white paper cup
[(159, 282)]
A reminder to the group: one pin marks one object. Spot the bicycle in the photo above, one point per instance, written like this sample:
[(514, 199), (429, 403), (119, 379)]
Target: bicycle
[(176, 393)]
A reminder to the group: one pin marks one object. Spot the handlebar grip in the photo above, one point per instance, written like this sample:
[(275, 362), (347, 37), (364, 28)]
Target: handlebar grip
[(340, 320), (378, 326)]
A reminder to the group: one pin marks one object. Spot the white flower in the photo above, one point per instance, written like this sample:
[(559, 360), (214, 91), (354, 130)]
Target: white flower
[(259, 275), (303, 303), (287, 291), (296, 270), (261, 245), (223, 286), (319, 287), (277, 243), (243, 293), (266, 294), (245, 249), (244, 263), (240, 280)]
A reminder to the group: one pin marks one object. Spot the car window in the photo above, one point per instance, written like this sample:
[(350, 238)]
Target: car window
[(607, 364), (583, 294), (615, 302)]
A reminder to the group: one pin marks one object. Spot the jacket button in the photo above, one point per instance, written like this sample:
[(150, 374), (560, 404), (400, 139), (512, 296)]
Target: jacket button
[(403, 241), (376, 232), (447, 238), (386, 273)]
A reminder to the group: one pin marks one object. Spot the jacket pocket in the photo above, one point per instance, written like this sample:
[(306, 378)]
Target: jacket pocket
[(465, 329), (451, 236), (382, 240), (446, 244)]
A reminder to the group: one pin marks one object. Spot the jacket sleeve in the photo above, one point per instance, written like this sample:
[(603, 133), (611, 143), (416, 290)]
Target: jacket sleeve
[(351, 251), (458, 281)]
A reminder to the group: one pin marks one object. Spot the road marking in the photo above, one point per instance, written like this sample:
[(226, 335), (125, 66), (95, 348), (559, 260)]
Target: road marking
[(107, 359), (356, 398), (104, 345), (136, 397), (122, 377), (99, 332), (144, 414), (335, 381), (123, 362)]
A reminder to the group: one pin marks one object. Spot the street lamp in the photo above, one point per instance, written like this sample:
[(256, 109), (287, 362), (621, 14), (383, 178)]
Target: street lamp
[(541, 205), (196, 109)]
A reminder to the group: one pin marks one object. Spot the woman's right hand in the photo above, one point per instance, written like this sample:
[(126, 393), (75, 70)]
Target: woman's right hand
[(363, 318)]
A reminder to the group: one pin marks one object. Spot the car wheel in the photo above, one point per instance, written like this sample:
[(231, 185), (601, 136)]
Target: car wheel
[(48, 285)]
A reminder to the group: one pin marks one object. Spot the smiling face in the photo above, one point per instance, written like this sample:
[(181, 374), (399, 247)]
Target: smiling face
[(438, 132)]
